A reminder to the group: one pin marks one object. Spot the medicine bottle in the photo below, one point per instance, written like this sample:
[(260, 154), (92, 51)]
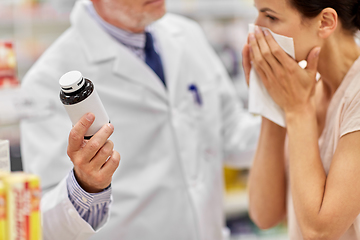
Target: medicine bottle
[(79, 97)]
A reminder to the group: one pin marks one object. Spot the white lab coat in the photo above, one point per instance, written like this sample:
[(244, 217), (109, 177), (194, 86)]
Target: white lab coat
[(169, 184)]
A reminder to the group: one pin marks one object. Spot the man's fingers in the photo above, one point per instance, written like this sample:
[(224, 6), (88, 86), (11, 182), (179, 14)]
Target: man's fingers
[(97, 141), (102, 155), (77, 133), (111, 165)]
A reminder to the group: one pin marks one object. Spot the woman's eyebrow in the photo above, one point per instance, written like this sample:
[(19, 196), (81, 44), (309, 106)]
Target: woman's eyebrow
[(267, 10)]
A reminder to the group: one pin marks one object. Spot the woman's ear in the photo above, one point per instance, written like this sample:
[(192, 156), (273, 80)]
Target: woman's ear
[(328, 22)]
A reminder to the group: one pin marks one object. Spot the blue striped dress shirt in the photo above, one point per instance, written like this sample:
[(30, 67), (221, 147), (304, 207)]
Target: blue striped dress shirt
[(135, 42)]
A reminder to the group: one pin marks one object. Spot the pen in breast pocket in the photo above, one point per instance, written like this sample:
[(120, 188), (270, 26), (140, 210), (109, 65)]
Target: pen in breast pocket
[(197, 97)]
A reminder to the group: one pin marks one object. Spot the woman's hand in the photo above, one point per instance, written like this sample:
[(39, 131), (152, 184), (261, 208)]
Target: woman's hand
[(290, 86), (246, 62)]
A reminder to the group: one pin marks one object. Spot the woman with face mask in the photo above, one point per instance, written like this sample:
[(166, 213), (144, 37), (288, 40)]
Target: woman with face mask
[(309, 171)]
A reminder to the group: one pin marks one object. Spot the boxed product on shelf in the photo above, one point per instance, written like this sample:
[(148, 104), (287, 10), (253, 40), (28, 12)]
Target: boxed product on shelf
[(8, 76), (4, 155), (29, 2), (22, 203), (20, 195), (2, 211)]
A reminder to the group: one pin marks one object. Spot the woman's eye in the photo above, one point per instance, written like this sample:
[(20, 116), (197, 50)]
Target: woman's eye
[(271, 17)]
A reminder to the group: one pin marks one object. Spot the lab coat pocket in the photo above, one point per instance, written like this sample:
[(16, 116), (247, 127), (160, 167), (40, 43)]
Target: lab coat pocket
[(209, 122), (197, 128), (209, 105)]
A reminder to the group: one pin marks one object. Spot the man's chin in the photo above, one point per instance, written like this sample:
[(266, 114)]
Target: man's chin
[(161, 14), (152, 17)]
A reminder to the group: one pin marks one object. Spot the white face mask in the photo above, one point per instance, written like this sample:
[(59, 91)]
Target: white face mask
[(260, 101)]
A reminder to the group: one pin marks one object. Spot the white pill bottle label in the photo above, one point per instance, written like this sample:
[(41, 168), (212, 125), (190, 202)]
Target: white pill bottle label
[(91, 104)]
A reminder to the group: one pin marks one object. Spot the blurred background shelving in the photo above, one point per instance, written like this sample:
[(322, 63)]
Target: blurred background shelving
[(213, 8), (32, 25)]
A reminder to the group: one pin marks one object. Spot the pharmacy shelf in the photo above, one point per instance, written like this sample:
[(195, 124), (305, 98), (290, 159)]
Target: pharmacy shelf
[(235, 204), (255, 237), (38, 15), (46, 15), (213, 8)]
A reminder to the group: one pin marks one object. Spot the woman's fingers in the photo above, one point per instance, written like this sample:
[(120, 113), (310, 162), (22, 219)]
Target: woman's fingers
[(282, 57), (280, 62), (313, 59), (266, 51), (269, 59), (259, 71), (258, 58), (246, 61)]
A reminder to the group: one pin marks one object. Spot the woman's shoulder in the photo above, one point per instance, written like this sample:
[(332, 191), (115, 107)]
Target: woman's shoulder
[(352, 91), (349, 117)]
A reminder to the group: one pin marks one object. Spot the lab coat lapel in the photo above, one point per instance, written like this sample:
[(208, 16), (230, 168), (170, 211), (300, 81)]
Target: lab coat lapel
[(129, 66), (100, 46), (171, 42)]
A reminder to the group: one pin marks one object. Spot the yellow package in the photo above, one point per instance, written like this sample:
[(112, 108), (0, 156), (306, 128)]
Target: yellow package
[(16, 199), (2, 211), (3, 206), (35, 215), (23, 207)]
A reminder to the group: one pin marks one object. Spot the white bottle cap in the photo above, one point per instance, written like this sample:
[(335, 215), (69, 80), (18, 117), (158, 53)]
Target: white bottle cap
[(71, 81)]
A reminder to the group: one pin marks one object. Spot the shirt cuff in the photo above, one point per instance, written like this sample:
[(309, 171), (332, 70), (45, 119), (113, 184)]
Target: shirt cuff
[(83, 200)]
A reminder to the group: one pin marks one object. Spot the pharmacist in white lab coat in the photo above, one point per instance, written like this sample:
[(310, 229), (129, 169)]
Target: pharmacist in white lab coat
[(176, 115)]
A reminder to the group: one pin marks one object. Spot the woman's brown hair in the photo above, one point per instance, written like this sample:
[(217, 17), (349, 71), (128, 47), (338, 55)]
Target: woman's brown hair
[(347, 10)]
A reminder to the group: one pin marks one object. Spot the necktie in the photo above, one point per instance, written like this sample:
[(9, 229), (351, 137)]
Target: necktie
[(152, 58)]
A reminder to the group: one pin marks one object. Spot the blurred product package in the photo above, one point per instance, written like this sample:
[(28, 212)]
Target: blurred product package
[(29, 2), (4, 158), (22, 196), (17, 104), (2, 211), (8, 76)]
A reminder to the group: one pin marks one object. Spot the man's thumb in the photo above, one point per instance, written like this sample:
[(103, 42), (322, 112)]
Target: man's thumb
[(313, 58)]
